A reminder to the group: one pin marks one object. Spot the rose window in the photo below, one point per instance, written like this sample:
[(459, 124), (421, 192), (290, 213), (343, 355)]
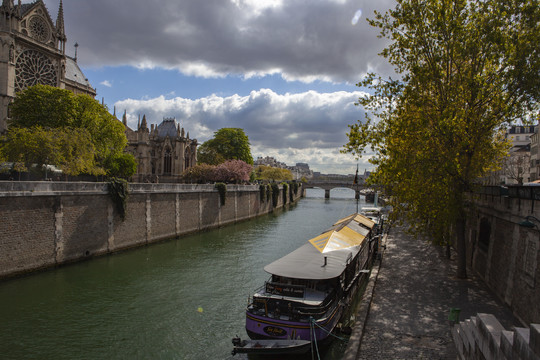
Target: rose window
[(34, 68), (39, 29)]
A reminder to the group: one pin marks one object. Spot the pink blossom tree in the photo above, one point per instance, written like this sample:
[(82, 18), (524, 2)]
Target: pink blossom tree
[(232, 171)]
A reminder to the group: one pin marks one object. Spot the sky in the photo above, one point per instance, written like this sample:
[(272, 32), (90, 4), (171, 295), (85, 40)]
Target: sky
[(282, 70)]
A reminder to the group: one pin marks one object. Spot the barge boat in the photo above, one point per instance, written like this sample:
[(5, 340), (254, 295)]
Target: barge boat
[(310, 288)]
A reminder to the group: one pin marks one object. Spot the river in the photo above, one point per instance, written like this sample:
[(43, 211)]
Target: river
[(179, 299)]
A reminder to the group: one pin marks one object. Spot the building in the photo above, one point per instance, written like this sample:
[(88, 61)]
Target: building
[(162, 151), (516, 169), (298, 171), (534, 168), (34, 52)]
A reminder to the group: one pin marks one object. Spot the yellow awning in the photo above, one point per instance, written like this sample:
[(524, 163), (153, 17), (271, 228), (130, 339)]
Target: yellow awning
[(343, 237)]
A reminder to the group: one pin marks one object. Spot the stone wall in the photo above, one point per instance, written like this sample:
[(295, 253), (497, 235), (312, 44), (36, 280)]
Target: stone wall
[(504, 253), (44, 224), (483, 337)]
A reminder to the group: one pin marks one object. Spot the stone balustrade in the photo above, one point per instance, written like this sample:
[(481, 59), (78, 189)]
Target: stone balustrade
[(483, 337)]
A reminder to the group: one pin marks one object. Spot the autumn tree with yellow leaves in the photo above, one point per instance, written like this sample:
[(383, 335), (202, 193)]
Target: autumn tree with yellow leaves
[(466, 70)]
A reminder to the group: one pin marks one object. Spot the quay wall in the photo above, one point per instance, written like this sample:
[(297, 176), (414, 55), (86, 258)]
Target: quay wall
[(505, 253), (44, 224)]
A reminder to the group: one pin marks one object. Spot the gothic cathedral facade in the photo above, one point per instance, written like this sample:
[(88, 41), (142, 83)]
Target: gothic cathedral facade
[(34, 52)]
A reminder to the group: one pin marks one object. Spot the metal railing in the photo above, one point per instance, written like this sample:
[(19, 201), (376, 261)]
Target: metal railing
[(512, 191)]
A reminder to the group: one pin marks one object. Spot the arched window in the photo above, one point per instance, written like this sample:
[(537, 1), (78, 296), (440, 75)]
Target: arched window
[(167, 162)]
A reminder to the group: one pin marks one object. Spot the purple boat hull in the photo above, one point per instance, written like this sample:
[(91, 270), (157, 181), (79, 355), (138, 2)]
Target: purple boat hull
[(262, 327)]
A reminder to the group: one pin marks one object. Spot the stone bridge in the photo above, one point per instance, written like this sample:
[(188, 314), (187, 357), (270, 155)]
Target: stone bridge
[(330, 184)]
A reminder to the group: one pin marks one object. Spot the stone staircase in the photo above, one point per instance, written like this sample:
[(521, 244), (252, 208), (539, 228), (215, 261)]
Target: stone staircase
[(483, 337)]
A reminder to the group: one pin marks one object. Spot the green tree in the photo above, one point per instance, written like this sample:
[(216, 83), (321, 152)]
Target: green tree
[(438, 129), (71, 149), (207, 154), (44, 107), (121, 165), (107, 133), (227, 144), (263, 172)]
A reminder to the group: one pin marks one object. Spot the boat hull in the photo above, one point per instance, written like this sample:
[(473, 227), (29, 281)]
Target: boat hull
[(261, 327), (270, 347)]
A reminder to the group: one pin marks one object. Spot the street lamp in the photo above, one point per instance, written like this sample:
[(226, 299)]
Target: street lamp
[(528, 223)]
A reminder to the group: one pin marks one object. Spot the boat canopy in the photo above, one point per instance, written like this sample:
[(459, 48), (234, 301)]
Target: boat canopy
[(327, 255)]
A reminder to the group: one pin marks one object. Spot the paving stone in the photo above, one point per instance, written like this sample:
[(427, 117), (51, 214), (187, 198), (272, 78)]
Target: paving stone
[(416, 288)]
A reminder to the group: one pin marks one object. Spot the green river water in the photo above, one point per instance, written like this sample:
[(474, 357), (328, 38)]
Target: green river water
[(178, 299)]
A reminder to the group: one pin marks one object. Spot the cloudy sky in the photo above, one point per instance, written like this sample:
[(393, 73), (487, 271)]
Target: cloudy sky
[(283, 70)]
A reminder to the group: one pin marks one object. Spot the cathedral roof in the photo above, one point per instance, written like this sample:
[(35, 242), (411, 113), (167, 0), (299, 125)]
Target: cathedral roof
[(26, 7), (167, 128), (74, 73)]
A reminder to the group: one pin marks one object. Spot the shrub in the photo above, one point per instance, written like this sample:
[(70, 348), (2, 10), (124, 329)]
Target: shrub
[(119, 191), (275, 194), (262, 192), (222, 189)]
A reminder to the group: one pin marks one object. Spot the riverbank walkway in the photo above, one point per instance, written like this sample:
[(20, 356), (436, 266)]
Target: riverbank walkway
[(408, 302)]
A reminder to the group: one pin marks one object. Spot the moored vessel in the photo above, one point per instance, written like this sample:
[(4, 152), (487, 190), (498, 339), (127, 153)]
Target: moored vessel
[(310, 288)]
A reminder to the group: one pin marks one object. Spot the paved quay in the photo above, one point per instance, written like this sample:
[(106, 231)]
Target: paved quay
[(408, 301)]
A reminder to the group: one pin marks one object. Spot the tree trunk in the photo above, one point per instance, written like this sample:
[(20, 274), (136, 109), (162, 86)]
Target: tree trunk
[(461, 248)]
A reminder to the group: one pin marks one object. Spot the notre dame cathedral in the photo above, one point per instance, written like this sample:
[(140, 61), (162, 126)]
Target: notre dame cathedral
[(34, 52)]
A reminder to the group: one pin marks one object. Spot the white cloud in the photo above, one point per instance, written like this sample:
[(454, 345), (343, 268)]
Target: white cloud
[(306, 127), (106, 83)]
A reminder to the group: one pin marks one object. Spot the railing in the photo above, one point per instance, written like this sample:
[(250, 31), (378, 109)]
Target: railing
[(512, 191)]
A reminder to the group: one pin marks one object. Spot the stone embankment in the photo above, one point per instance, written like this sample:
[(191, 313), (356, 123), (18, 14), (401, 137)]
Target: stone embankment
[(44, 224)]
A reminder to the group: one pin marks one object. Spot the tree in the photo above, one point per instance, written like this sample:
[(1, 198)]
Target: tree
[(200, 173), (207, 154), (42, 108), (121, 165), (517, 165), (439, 128), (263, 172), (227, 144), (107, 133), (233, 171), (71, 149), (43, 105)]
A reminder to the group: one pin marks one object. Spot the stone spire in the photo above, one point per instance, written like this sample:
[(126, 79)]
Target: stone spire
[(124, 118), (60, 29), (7, 14), (8, 4), (144, 125)]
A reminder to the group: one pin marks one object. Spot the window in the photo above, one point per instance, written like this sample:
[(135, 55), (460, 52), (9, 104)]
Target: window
[(167, 162)]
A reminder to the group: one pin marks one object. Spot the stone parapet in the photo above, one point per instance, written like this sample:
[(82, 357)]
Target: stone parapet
[(45, 224), (483, 337)]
